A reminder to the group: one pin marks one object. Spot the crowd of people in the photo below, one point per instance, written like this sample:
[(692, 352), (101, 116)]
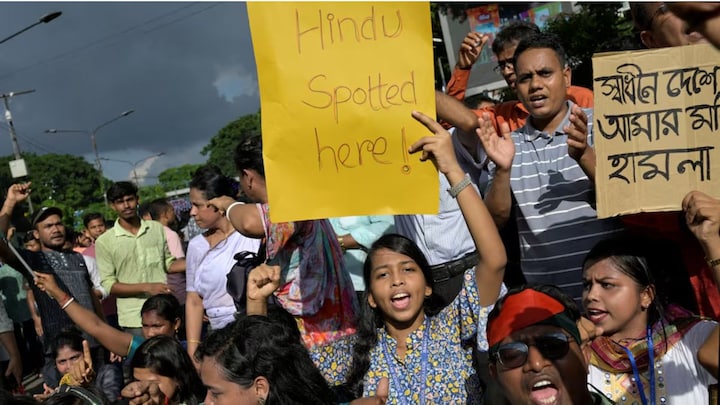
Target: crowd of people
[(515, 292)]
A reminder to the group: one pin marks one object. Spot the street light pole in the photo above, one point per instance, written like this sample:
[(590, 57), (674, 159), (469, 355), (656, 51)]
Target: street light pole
[(43, 20), (93, 142), (134, 165)]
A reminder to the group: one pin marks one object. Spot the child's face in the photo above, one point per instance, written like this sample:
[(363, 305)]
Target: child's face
[(398, 288)]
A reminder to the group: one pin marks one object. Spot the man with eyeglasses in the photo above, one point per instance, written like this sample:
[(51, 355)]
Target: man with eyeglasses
[(503, 46), (133, 257), (536, 349)]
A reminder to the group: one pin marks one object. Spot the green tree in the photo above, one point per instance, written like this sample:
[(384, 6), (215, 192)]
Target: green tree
[(66, 181), (177, 178), (149, 193), (221, 148), (595, 27)]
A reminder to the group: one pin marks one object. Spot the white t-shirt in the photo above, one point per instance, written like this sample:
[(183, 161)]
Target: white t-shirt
[(685, 379)]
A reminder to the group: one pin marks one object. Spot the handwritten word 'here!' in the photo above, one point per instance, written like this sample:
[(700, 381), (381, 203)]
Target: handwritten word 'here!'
[(377, 94)]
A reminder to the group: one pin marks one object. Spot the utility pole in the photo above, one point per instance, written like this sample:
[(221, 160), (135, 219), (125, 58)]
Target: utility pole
[(17, 167)]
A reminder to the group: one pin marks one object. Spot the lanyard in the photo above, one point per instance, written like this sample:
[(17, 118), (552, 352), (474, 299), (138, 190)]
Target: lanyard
[(400, 383), (651, 365)]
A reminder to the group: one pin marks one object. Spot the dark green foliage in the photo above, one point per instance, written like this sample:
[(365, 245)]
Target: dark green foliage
[(66, 181), (221, 148), (176, 178), (596, 27)]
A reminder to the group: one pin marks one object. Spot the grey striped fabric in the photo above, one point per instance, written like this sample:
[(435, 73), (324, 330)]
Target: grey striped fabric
[(556, 217)]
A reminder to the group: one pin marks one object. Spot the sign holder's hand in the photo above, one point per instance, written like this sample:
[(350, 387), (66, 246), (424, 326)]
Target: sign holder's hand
[(439, 148)]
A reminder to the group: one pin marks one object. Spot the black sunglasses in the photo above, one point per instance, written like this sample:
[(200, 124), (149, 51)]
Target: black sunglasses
[(552, 346)]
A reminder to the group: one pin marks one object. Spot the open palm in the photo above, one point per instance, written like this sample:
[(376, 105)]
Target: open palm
[(500, 149)]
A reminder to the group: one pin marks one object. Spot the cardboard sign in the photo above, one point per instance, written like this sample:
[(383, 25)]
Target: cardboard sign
[(656, 123), (338, 82)]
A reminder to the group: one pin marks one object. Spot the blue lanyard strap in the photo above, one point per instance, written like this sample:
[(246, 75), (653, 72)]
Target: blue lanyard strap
[(399, 383), (651, 353), (651, 369)]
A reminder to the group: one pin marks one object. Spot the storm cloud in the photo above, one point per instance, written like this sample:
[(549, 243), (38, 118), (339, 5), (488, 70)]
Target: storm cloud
[(187, 69)]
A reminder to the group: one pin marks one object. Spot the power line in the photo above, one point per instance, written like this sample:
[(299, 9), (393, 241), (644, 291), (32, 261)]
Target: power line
[(107, 38), (37, 145)]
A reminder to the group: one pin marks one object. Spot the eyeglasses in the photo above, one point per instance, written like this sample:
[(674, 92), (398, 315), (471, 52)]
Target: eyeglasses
[(552, 346), (661, 10), (502, 64)]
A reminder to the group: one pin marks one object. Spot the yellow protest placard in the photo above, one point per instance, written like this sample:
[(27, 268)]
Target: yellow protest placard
[(656, 128), (338, 82)]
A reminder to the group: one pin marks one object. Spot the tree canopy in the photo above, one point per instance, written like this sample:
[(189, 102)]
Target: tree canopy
[(176, 178), (221, 148), (66, 181), (595, 27)]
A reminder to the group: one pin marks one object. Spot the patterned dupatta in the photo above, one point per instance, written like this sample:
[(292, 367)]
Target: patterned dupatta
[(610, 356)]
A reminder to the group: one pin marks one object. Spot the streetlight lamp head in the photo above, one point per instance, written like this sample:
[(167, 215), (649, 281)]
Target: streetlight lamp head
[(126, 113), (50, 131), (50, 16)]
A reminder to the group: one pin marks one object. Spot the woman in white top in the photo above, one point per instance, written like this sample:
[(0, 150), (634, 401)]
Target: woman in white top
[(651, 352), (210, 255)]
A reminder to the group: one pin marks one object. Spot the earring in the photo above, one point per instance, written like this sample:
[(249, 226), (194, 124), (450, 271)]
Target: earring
[(261, 401)]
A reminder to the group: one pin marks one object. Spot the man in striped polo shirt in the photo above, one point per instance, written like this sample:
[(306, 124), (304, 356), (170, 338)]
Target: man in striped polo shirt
[(548, 166)]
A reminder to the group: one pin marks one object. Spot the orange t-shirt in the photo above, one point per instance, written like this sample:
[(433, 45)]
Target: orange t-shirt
[(513, 112)]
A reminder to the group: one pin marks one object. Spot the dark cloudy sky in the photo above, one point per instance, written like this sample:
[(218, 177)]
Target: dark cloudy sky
[(187, 69)]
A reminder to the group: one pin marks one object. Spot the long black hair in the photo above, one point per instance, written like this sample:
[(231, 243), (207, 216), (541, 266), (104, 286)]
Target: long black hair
[(213, 183), (370, 319), (165, 356), (255, 346)]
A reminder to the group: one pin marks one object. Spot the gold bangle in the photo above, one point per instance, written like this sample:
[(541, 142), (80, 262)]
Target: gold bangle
[(194, 341), (341, 241), (712, 262)]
